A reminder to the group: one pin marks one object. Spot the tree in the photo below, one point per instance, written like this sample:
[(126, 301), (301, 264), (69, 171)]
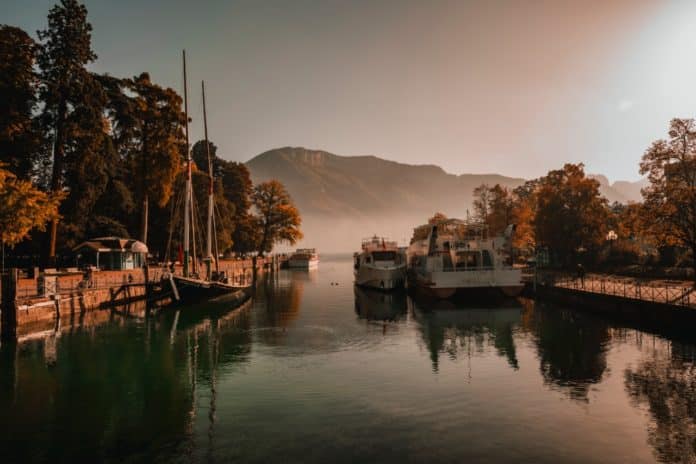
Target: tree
[(494, 206), (482, 202), (23, 207), (20, 137), (570, 215), (73, 111), (524, 212), (670, 198), (159, 144), (237, 189), (277, 218)]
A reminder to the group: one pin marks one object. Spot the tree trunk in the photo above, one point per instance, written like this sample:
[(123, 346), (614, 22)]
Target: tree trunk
[(693, 261), (57, 176), (143, 223)]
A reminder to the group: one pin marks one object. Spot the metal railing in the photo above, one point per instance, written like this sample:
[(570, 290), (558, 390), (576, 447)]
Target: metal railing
[(678, 293)]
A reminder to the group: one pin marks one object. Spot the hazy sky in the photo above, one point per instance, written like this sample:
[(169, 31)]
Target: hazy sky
[(515, 87)]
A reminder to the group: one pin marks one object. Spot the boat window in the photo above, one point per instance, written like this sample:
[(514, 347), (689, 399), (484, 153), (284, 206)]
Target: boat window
[(487, 261), (468, 259), (384, 255)]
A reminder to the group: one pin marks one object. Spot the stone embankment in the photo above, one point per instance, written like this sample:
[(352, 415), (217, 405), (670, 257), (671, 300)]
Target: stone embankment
[(37, 304)]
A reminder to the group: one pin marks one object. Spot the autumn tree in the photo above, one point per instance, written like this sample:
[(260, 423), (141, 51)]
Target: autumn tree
[(20, 137), (571, 215), (159, 144), (23, 207), (494, 206), (524, 212), (482, 200), (670, 198), (277, 218), (73, 110)]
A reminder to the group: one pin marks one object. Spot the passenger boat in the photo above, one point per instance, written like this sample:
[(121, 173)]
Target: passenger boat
[(447, 257), (304, 258), (380, 264), (202, 284)]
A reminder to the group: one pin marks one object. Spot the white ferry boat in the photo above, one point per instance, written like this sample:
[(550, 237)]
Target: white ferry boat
[(304, 258), (380, 264), (451, 256)]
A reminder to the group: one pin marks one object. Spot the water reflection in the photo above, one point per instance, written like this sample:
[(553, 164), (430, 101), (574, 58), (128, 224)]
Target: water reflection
[(462, 331), (665, 384), (375, 305), (278, 305), (571, 346), (125, 389)]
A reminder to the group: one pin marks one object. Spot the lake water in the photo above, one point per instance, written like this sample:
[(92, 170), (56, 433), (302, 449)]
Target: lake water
[(314, 371)]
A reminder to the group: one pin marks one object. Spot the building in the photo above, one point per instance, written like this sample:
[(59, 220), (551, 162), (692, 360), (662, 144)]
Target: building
[(111, 253)]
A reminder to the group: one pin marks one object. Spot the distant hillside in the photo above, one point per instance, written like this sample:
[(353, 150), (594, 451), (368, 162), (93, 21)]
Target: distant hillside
[(330, 185), (621, 190), (343, 199)]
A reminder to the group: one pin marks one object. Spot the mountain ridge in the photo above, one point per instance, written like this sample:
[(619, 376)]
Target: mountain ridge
[(345, 198), (358, 183)]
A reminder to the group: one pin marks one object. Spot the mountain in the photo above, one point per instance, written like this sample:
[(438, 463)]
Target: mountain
[(621, 191), (343, 199), (325, 184)]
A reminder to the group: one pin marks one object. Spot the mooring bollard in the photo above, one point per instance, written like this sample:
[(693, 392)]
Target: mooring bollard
[(8, 304)]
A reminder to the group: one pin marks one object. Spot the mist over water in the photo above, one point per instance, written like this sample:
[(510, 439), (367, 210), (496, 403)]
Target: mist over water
[(343, 235)]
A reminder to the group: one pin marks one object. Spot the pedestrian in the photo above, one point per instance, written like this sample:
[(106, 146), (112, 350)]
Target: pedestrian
[(581, 275)]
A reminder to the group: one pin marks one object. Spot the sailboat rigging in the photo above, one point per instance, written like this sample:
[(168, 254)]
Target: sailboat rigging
[(190, 285)]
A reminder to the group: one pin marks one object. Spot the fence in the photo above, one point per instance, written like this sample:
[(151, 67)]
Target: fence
[(677, 294)]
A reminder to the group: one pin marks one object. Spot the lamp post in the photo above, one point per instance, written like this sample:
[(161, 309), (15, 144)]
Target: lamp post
[(611, 238)]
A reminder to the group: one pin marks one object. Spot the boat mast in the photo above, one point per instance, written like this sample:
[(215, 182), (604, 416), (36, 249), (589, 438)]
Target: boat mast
[(211, 203), (187, 201)]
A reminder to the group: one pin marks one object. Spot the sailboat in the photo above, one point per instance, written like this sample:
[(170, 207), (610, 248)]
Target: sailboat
[(191, 286)]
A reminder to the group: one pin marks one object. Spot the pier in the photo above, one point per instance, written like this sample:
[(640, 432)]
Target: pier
[(35, 304), (665, 304)]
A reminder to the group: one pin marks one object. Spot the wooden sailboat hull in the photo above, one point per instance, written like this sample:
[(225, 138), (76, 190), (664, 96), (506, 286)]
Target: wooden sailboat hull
[(196, 290)]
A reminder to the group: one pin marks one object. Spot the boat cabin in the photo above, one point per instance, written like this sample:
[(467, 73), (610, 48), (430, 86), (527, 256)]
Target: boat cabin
[(111, 253), (379, 252)]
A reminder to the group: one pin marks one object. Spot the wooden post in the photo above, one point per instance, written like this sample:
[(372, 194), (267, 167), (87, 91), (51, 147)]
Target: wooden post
[(8, 308)]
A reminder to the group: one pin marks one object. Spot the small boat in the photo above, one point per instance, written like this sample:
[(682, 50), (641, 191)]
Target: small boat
[(192, 286), (449, 257), (304, 258), (380, 264)]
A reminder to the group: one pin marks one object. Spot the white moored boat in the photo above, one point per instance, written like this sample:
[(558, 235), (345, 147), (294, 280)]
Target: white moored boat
[(304, 258), (380, 264), (450, 256)]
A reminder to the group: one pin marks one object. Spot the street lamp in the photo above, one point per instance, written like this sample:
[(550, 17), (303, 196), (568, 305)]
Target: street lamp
[(611, 238)]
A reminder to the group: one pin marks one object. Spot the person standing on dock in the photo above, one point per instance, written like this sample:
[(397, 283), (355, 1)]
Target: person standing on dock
[(581, 274)]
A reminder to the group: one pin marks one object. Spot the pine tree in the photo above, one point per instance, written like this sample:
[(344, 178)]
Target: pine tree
[(73, 113)]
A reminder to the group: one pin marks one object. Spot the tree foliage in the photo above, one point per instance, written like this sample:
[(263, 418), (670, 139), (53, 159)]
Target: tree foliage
[(277, 219), (20, 135), (670, 198), (571, 215), (495, 207), (23, 207), (73, 112)]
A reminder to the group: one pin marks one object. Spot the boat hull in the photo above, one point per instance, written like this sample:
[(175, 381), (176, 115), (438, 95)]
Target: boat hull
[(303, 263), (381, 278), (468, 284), (194, 290)]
